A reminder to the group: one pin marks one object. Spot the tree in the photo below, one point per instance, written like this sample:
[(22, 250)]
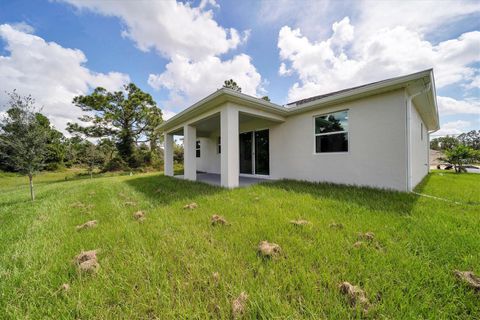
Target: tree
[(443, 143), (470, 139), (125, 116), (266, 98), (232, 85), (23, 138), (459, 156)]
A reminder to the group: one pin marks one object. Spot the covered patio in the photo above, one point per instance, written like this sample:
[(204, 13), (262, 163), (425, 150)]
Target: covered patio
[(212, 140)]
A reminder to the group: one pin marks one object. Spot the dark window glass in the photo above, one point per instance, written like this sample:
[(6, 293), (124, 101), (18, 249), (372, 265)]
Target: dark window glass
[(197, 149), (333, 122), (337, 142), (219, 145), (262, 157)]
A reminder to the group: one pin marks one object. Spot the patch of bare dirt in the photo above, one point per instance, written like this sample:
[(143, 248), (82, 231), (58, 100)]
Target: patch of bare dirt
[(87, 261), (87, 225), (369, 236), (469, 278), (239, 305), (269, 250), (358, 244), (89, 266), (86, 255), (335, 225), (139, 215), (355, 295), (299, 222), (218, 220), (191, 206)]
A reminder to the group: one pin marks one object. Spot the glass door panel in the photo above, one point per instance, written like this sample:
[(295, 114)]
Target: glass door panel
[(262, 155), (246, 140)]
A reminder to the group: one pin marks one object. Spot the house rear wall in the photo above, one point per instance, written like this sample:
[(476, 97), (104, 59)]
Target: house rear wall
[(377, 145)]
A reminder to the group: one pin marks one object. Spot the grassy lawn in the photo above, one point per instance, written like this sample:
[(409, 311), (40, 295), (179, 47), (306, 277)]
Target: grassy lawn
[(162, 267)]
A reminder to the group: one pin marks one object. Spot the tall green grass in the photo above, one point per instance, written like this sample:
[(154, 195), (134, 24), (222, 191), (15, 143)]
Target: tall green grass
[(162, 268)]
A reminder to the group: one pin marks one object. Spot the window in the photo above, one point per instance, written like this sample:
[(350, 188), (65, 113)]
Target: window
[(197, 149), (331, 132), (219, 145)]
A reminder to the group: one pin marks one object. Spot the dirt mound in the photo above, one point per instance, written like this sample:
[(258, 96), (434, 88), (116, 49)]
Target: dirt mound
[(269, 250), (369, 236), (355, 295), (87, 225), (299, 222), (239, 305), (469, 278), (86, 255), (191, 206), (358, 244), (218, 220), (139, 215), (89, 266), (87, 261), (335, 225)]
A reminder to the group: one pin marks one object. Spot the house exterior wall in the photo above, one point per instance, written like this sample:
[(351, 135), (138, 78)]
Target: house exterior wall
[(419, 147), (377, 155), (377, 145)]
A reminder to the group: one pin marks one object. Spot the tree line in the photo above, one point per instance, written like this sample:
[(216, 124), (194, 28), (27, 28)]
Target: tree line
[(459, 151), (118, 131)]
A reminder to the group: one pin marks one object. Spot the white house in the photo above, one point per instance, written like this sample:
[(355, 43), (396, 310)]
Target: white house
[(373, 135)]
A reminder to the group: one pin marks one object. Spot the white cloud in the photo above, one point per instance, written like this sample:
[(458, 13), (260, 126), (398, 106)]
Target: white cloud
[(450, 106), (167, 114), (192, 40), (189, 81), (338, 62), (453, 127), (52, 74), (170, 27), (23, 27)]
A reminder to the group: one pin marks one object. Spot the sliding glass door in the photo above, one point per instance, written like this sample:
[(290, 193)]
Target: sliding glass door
[(254, 152)]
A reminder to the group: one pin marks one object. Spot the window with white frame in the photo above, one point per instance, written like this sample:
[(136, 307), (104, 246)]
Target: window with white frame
[(219, 145), (331, 132), (197, 149)]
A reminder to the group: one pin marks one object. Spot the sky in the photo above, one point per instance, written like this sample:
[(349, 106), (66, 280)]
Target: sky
[(180, 52)]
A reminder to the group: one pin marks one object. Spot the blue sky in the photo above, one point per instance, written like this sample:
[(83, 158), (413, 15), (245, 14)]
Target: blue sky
[(181, 52)]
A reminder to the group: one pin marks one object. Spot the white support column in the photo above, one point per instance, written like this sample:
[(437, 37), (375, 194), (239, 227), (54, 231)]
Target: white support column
[(189, 156), (168, 154), (230, 147)]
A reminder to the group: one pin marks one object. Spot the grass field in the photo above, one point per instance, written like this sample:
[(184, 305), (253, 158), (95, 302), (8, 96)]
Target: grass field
[(162, 267)]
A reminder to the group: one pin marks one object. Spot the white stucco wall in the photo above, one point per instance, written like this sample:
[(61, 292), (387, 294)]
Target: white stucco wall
[(419, 146), (377, 153), (209, 160), (377, 145)]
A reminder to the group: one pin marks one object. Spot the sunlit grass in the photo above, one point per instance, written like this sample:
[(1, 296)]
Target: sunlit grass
[(162, 268)]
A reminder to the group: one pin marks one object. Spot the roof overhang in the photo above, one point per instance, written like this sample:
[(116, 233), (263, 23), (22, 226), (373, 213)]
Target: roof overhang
[(218, 98), (420, 86)]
